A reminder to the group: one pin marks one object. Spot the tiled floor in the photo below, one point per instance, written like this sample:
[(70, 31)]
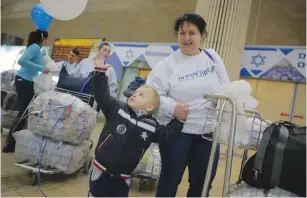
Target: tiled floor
[(77, 185)]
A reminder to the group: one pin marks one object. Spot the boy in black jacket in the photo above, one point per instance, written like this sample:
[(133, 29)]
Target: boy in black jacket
[(128, 132)]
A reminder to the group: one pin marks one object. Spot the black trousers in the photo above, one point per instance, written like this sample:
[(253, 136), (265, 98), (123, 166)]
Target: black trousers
[(103, 185), (25, 93)]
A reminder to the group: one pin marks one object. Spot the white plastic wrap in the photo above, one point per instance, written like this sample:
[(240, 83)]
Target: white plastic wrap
[(239, 91), (62, 117), (43, 82), (64, 157), (150, 165), (247, 191)]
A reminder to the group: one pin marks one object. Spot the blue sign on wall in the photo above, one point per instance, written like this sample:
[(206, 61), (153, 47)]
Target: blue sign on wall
[(274, 63), (264, 62)]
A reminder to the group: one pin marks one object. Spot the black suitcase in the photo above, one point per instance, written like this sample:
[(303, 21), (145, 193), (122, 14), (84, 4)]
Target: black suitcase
[(280, 160)]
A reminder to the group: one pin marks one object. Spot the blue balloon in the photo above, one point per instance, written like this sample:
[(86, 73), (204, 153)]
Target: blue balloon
[(41, 19)]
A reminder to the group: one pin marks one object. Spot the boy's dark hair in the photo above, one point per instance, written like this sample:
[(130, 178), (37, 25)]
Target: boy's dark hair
[(75, 51), (37, 37), (195, 19)]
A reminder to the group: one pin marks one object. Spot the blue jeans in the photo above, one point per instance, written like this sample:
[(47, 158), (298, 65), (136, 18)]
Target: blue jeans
[(185, 150)]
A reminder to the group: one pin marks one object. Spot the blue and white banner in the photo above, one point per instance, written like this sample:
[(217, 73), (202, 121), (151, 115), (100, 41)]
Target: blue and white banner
[(282, 63), (134, 55), (274, 63)]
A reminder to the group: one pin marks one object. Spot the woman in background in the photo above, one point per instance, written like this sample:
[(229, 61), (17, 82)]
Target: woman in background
[(31, 63), (181, 80)]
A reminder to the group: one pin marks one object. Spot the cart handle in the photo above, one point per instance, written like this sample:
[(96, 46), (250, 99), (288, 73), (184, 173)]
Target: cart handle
[(215, 143)]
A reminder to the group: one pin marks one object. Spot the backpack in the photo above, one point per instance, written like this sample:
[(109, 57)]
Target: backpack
[(134, 85), (280, 160)]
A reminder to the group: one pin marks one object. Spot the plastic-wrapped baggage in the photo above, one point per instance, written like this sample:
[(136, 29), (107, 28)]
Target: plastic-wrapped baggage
[(62, 117), (7, 118), (8, 80), (9, 100), (245, 190), (64, 157)]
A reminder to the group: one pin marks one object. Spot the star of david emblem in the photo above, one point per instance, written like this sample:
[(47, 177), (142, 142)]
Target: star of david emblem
[(144, 136), (129, 54), (258, 60)]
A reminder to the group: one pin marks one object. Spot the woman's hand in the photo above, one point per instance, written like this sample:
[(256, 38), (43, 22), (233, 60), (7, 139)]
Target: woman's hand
[(46, 71), (181, 111)]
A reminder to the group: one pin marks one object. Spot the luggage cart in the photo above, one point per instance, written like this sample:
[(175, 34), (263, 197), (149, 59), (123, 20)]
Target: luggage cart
[(222, 100), (34, 167)]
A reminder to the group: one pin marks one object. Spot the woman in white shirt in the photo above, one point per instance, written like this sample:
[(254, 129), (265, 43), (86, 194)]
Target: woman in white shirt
[(181, 80), (87, 65)]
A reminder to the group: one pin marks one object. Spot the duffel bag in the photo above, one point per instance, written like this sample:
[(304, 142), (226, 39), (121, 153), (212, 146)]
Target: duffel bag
[(280, 160)]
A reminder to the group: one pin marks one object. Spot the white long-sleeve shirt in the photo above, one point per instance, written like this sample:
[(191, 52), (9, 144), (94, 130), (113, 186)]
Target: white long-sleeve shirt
[(87, 65), (69, 67), (181, 78)]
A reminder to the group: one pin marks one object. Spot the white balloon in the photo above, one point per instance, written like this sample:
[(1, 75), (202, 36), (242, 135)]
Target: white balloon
[(64, 9)]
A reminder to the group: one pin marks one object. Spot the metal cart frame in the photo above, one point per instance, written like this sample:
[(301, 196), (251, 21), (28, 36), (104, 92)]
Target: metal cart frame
[(223, 100), (35, 167)]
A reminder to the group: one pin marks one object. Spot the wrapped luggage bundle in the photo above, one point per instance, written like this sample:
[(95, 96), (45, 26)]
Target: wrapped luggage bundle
[(62, 117), (8, 80), (245, 190), (7, 118), (9, 100), (64, 157)]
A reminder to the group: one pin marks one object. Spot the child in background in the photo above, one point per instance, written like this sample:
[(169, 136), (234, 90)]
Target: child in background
[(128, 132)]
